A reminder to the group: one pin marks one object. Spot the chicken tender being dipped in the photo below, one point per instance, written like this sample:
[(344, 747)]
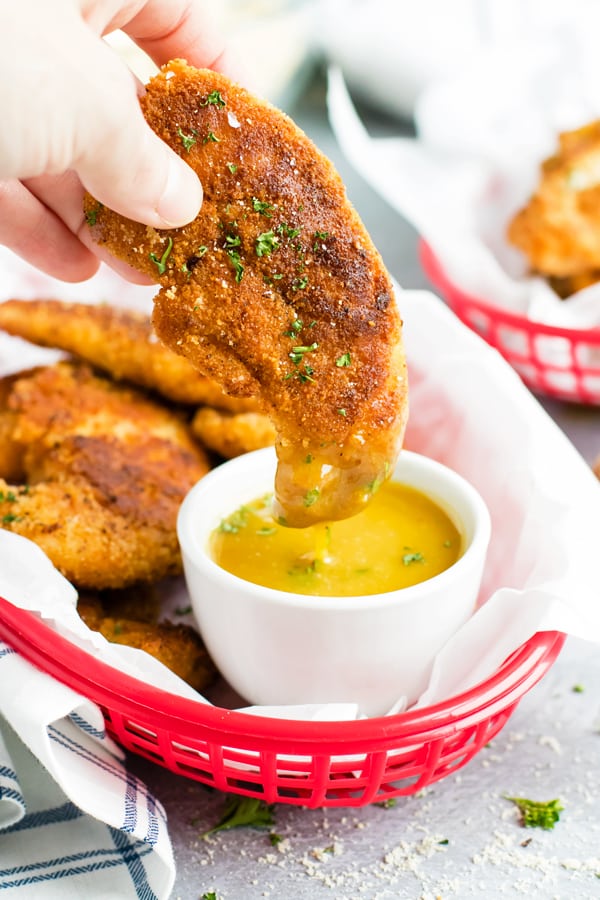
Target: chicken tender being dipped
[(275, 290), (104, 470)]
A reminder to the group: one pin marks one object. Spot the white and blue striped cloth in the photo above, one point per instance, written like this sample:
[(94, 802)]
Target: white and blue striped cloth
[(73, 822)]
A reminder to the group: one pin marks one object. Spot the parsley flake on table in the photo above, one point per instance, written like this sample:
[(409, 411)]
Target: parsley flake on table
[(538, 814), (243, 811)]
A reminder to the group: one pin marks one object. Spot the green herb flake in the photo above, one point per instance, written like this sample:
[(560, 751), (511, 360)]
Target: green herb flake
[(298, 284), (343, 361), (211, 138), (444, 842), (311, 497), (266, 531), (538, 814), (266, 243), (232, 168), (188, 140), (308, 459), (92, 214), (319, 236), (288, 231), (183, 610), (341, 411), (295, 328), (262, 207), (410, 558), (232, 240), (214, 99), (297, 353), (274, 838), (387, 804), (209, 895), (578, 689), (235, 522), (9, 518), (243, 811), (236, 262), (7, 497), (161, 264)]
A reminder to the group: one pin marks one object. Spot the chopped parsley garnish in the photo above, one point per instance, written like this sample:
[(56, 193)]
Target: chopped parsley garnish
[(266, 531), (188, 140), (298, 284), (8, 497), (209, 895), (410, 558), (297, 353), (236, 262), (387, 804), (343, 361), (262, 207), (578, 689), (240, 811), (304, 375), (538, 814), (235, 522), (308, 459), (319, 237), (161, 264), (311, 497), (295, 328), (342, 411), (232, 240), (287, 231), (274, 838), (266, 243), (92, 214), (9, 518), (232, 168), (214, 99), (211, 138)]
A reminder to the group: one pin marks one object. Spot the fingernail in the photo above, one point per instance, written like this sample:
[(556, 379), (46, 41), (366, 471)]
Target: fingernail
[(182, 197)]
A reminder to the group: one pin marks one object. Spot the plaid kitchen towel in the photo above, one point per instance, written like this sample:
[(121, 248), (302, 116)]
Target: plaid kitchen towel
[(73, 822)]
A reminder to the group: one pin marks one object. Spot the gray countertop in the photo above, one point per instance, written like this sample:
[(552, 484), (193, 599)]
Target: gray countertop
[(460, 837)]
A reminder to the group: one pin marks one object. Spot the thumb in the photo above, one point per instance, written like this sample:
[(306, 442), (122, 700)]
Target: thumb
[(124, 164)]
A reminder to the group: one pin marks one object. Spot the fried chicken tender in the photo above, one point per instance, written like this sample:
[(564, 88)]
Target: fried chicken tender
[(106, 470), (121, 342), (274, 289), (559, 229), (231, 434), (177, 646)]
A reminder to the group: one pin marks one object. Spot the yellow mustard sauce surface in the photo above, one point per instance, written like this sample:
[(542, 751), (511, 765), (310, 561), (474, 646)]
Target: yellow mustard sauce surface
[(402, 538)]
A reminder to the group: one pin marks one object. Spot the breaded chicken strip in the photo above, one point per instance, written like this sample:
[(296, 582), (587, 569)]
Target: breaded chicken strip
[(178, 647), (559, 229), (106, 471), (231, 434), (276, 289), (121, 342)]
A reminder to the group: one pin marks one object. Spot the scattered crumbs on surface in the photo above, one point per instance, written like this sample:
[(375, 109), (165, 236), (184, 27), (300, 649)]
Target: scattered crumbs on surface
[(547, 740)]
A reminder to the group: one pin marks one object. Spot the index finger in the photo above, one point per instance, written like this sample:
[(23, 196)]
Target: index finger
[(165, 29)]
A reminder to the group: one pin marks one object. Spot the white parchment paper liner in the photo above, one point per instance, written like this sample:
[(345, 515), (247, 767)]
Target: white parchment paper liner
[(470, 411), (481, 137)]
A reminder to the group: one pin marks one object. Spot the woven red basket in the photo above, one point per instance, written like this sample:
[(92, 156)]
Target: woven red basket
[(558, 362), (313, 764)]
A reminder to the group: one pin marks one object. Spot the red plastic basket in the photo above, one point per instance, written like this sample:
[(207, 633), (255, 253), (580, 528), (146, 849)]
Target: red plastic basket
[(313, 764), (557, 362)]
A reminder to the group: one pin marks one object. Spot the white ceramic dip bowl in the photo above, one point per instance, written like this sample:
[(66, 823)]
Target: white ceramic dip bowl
[(279, 648)]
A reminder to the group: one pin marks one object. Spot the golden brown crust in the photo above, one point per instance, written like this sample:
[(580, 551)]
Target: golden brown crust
[(177, 646), (121, 342), (106, 471), (231, 434), (559, 228), (275, 287)]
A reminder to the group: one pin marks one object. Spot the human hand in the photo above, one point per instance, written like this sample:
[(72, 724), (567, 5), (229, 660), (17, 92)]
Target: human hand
[(71, 122)]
